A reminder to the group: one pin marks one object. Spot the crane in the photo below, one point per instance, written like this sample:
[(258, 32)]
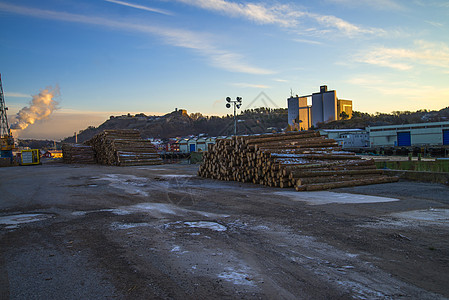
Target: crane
[(6, 138)]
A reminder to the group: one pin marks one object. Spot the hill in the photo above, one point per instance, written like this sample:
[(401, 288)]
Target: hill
[(180, 124), (362, 120), (251, 121)]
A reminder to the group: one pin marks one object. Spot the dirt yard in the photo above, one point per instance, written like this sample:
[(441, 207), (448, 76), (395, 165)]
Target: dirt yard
[(161, 232)]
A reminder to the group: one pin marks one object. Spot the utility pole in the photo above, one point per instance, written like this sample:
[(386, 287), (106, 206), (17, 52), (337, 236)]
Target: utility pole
[(237, 103)]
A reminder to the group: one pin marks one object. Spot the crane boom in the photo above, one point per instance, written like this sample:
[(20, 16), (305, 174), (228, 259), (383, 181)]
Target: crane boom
[(6, 139)]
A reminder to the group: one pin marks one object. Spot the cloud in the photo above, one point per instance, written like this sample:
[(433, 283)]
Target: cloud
[(250, 85), (399, 94), (435, 24), (17, 95), (423, 53), (287, 16), (432, 3), (255, 12), (408, 89), (345, 27), (141, 7), (307, 41), (200, 43), (64, 122), (378, 4)]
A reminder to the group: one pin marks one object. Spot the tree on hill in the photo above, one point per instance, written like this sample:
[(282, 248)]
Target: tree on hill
[(250, 121)]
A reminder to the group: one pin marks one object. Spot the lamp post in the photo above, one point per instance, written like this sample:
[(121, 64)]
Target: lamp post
[(237, 103)]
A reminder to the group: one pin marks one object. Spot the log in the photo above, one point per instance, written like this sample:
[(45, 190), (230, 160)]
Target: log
[(123, 147), (349, 183), (282, 160), (304, 174), (77, 153)]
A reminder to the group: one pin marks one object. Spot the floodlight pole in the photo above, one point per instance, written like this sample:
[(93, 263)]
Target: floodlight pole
[(237, 103), (235, 122)]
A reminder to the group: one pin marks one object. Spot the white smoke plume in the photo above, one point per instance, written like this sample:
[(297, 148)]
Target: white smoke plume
[(40, 108)]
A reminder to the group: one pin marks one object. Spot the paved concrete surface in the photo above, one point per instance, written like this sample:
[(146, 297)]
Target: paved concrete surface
[(161, 232)]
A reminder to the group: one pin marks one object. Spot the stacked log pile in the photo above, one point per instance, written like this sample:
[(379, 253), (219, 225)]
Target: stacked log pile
[(303, 160), (123, 148), (78, 154)]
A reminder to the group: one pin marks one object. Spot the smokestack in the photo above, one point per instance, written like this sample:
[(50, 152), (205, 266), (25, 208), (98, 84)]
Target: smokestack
[(40, 108)]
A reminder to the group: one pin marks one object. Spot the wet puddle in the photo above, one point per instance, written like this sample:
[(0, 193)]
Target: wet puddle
[(325, 197), (427, 215), (13, 221), (414, 218)]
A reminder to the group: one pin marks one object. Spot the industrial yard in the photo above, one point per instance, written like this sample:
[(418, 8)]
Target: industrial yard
[(72, 231)]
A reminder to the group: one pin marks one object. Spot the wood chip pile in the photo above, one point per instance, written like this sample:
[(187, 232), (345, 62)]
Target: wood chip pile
[(303, 160), (123, 148), (78, 154)]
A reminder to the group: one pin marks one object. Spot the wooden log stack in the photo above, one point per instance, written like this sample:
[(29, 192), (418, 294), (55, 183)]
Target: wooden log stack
[(78, 154), (303, 160), (124, 148)]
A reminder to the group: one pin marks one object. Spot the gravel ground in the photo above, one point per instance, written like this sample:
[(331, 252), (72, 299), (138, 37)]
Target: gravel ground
[(161, 232)]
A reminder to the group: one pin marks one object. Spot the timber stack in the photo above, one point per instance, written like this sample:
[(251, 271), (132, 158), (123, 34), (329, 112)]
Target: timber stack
[(78, 154), (304, 160), (123, 148)]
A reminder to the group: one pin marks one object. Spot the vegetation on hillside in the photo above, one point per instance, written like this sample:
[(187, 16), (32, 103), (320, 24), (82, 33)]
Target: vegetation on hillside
[(362, 120), (250, 121), (176, 124)]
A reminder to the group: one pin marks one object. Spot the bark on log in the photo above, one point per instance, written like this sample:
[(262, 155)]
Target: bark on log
[(340, 184), (123, 147), (279, 160)]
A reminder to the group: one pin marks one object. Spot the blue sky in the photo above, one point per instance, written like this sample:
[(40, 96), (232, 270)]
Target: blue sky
[(111, 57)]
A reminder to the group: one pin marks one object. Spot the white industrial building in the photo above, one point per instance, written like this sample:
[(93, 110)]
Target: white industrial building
[(325, 107), (420, 134), (348, 138), (197, 144)]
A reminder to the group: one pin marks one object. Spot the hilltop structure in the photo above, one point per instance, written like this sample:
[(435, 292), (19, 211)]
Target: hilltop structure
[(325, 107)]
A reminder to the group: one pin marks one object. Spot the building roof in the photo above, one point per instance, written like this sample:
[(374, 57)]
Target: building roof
[(342, 130), (410, 126)]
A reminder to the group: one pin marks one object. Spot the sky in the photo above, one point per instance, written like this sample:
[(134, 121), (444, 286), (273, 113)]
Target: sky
[(113, 57)]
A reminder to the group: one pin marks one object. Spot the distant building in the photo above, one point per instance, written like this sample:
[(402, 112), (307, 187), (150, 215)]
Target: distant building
[(173, 146), (201, 144), (181, 111), (348, 138), (344, 106), (299, 113), (325, 107), (53, 154), (210, 141), (420, 134)]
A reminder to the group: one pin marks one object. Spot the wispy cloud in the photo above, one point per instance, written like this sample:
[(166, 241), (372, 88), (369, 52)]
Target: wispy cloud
[(378, 4), (17, 95), (401, 94), (307, 41), (432, 3), (259, 13), (287, 16), (423, 53), (197, 42), (250, 85), (345, 27), (435, 24), (141, 7)]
